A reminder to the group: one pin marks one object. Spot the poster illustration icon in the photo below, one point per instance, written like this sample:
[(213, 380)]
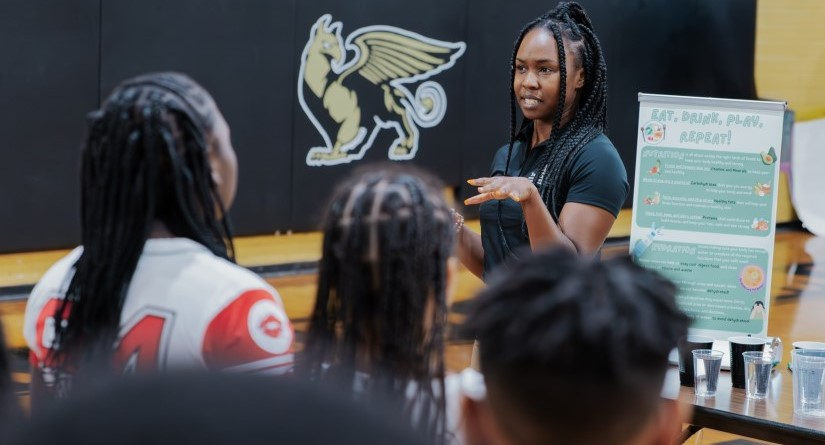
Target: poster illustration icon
[(757, 311), (654, 199), (653, 132), (760, 224), (752, 277), (641, 245), (761, 189), (768, 157)]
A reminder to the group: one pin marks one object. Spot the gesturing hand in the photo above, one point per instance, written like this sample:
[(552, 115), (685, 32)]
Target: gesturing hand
[(502, 187)]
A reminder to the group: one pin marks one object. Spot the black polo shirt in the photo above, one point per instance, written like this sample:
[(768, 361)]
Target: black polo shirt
[(596, 176)]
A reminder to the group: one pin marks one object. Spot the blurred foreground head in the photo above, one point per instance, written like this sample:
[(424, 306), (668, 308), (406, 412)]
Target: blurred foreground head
[(575, 351), (206, 409)]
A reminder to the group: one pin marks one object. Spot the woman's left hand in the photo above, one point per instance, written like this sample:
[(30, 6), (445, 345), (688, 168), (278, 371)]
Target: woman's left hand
[(517, 188)]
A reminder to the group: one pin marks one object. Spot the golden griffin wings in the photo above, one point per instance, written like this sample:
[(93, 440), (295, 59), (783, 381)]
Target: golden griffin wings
[(389, 58)]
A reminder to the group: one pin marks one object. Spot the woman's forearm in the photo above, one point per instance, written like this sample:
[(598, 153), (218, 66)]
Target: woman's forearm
[(541, 227), (470, 251)]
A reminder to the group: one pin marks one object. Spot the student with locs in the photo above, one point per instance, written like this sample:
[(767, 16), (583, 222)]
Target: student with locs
[(559, 181), (384, 283), (154, 285)]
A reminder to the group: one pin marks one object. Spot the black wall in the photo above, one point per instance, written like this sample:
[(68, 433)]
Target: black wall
[(240, 51), (48, 81), (58, 59)]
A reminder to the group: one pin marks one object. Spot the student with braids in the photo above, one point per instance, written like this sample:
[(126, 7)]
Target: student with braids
[(560, 180), (383, 285), (154, 284), (574, 351)]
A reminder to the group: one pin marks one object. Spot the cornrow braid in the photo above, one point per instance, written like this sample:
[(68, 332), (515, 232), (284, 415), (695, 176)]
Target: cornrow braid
[(145, 159), (568, 22), (381, 301)]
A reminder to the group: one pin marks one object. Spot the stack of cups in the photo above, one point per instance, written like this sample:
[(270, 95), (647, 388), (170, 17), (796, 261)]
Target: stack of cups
[(809, 382), (806, 345)]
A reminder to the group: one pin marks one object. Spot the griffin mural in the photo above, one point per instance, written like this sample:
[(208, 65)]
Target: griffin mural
[(353, 89)]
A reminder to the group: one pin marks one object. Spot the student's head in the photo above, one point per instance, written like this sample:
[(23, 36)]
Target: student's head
[(758, 304), (213, 409), (558, 76), (383, 281), (157, 161), (574, 351)]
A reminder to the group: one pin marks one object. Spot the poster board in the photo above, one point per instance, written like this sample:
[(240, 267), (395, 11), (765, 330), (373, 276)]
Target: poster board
[(704, 205)]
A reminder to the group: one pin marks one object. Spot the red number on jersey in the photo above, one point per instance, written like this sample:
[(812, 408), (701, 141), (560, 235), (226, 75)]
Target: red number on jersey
[(144, 340)]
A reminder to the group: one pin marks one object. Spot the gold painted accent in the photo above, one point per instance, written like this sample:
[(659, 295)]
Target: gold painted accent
[(790, 54), (383, 56), (784, 207)]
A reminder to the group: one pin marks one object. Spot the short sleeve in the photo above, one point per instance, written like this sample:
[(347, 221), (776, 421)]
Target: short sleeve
[(598, 177), (499, 161), (250, 334)]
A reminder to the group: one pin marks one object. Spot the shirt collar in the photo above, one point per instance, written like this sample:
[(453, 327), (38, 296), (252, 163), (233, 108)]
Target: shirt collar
[(165, 246), (525, 134)]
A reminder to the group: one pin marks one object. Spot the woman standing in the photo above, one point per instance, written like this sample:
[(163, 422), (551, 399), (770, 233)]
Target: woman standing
[(560, 181)]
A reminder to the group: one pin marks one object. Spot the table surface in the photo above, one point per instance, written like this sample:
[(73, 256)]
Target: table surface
[(765, 419)]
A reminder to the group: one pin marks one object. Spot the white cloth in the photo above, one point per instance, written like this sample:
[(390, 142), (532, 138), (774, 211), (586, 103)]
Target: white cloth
[(468, 383), (808, 180), (185, 308)]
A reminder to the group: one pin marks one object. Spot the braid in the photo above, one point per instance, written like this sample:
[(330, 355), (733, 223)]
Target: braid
[(145, 160), (567, 22), (381, 304), (550, 157), (516, 46)]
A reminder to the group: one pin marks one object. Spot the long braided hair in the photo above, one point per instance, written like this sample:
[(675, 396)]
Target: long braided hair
[(381, 304), (569, 25), (145, 160)]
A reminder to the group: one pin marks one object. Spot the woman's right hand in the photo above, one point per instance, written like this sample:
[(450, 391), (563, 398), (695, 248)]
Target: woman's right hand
[(517, 188)]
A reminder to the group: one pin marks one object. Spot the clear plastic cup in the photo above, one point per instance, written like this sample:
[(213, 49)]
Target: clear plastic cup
[(686, 347), (758, 367), (806, 345), (706, 366), (738, 345), (809, 382)]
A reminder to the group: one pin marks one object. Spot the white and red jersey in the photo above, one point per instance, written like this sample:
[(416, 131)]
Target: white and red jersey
[(185, 308)]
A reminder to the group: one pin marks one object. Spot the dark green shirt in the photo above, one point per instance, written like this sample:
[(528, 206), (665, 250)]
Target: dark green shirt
[(596, 176)]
